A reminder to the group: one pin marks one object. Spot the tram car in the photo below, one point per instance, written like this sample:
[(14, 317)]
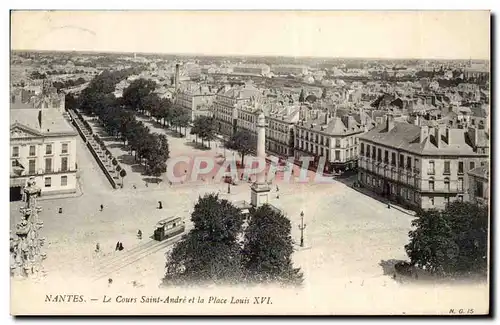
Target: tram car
[(168, 228)]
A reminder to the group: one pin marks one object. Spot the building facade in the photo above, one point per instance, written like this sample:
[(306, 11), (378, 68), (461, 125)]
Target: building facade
[(43, 146), (324, 134), (479, 185), (195, 101), (418, 166)]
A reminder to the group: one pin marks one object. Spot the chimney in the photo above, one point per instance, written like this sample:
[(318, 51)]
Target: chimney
[(389, 122), (176, 76), (437, 136), (327, 118), (473, 135), (424, 133), (350, 122)]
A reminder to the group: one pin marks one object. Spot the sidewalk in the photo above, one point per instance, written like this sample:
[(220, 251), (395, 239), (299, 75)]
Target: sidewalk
[(383, 200)]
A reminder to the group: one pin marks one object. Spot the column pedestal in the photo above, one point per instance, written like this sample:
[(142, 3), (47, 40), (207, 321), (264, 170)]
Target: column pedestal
[(260, 194)]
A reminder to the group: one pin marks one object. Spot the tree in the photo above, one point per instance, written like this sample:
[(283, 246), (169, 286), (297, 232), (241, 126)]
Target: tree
[(210, 252), (123, 173), (134, 96), (157, 154), (180, 119), (449, 242), (301, 96), (204, 127), (268, 248), (242, 142)]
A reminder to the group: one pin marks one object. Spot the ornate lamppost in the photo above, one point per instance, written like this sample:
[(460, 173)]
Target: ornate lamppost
[(25, 248), (302, 226)]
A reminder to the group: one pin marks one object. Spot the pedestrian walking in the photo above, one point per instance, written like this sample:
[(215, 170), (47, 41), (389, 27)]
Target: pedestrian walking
[(60, 210), (134, 187), (117, 246), (102, 207), (277, 188), (160, 205), (146, 184), (121, 247), (110, 281), (97, 248), (139, 234)]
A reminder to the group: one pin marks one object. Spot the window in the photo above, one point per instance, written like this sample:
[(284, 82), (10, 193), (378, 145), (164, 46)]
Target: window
[(64, 180), (48, 149), (64, 148), (408, 163), (483, 163), (416, 197), (48, 182), (460, 198), (31, 166), (430, 171), (431, 201), (460, 184), (431, 184), (386, 157), (446, 168), (374, 153), (337, 143), (408, 194), (352, 153), (472, 165), (337, 154), (48, 165), (347, 154), (379, 154), (64, 164), (368, 150), (416, 165), (362, 149), (15, 151), (393, 159), (401, 161), (32, 151), (460, 167), (447, 184)]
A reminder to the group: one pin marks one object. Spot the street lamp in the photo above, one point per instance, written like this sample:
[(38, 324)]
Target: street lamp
[(302, 226)]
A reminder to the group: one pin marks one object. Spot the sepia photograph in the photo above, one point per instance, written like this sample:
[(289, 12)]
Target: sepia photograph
[(249, 162)]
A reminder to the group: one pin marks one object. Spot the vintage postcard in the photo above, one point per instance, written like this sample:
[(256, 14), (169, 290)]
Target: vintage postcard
[(249, 162)]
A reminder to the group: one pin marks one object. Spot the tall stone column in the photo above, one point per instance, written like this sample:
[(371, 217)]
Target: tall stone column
[(260, 189)]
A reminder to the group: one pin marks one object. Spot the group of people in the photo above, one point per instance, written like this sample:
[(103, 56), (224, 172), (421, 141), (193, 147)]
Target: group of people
[(119, 246)]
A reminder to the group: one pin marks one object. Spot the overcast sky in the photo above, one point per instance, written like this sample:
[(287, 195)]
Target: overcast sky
[(411, 34)]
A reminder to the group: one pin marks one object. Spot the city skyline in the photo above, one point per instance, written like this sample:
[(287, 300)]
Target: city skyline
[(434, 32)]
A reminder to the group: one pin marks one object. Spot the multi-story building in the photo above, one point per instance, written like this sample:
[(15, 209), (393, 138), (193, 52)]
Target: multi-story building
[(479, 184), (226, 103), (43, 146), (195, 100), (255, 69), (420, 166), (280, 132), (287, 69), (319, 134)]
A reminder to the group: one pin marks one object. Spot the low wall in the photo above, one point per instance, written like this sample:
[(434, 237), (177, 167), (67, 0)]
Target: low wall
[(94, 153), (103, 167)]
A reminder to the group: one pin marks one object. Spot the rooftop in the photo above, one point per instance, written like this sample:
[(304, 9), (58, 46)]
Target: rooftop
[(481, 172), (52, 121), (407, 137)]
